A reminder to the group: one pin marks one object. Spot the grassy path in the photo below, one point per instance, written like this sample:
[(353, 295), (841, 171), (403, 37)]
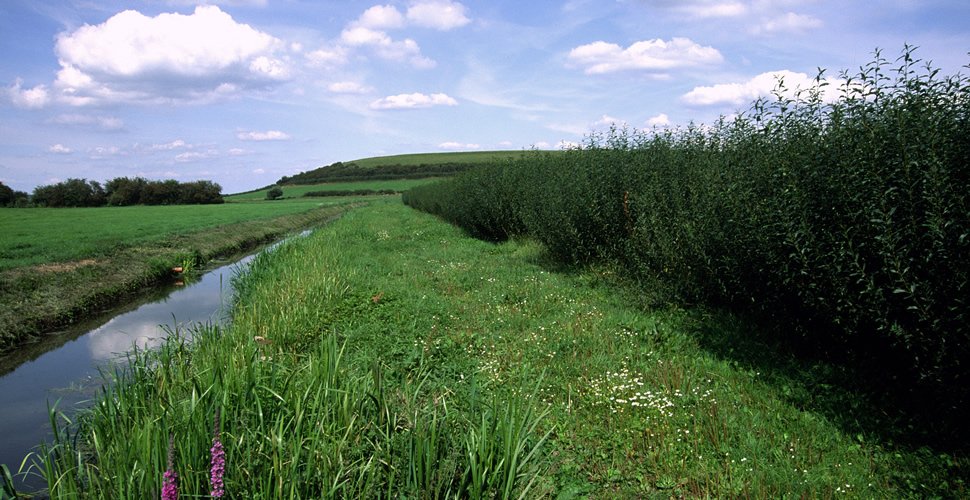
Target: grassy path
[(392, 355)]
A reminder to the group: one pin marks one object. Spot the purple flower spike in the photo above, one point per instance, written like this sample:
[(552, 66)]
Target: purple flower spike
[(170, 489), (218, 461)]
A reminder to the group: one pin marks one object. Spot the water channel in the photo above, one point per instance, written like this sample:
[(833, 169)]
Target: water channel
[(64, 368)]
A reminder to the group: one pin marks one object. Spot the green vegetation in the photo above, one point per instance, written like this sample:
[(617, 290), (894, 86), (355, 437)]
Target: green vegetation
[(123, 191), (297, 191), (57, 265), (843, 224), (410, 166), (389, 355)]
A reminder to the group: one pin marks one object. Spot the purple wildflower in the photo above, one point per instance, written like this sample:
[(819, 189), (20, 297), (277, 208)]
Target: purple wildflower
[(170, 489), (218, 468)]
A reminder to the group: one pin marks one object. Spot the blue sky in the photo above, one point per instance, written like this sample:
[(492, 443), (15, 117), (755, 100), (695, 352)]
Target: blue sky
[(243, 92)]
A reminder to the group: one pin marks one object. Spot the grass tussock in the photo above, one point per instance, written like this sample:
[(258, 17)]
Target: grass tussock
[(391, 356)]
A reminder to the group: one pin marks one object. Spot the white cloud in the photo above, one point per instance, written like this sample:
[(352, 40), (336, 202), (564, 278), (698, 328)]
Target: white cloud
[(176, 144), (348, 88), (331, 56), (59, 149), (381, 17), (650, 55), (169, 57), (237, 152), (386, 47), (458, 145), (787, 23), (102, 122), (196, 155), (714, 9), (259, 171), (661, 120), (438, 14), (32, 98), (567, 145), (269, 135), (607, 120), (737, 94), (541, 145), (100, 152), (415, 100)]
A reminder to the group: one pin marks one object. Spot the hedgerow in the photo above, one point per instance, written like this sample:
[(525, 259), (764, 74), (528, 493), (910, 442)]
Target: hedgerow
[(842, 214)]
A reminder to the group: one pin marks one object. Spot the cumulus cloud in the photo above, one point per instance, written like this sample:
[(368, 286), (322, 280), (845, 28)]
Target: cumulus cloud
[(737, 94), (412, 101), (269, 135), (650, 55), (787, 23), (330, 56), (348, 88), (170, 57), (381, 17), (661, 120), (60, 149), (385, 46), (438, 14), (452, 145), (607, 120), (35, 97)]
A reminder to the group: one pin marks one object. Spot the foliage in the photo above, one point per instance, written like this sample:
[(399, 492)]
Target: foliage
[(844, 218), (298, 191), (123, 191), (274, 193), (11, 198)]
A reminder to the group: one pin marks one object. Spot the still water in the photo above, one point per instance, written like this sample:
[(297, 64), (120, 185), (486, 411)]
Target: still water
[(64, 369)]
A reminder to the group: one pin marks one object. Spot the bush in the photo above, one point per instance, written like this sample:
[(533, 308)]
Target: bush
[(845, 219), (274, 193)]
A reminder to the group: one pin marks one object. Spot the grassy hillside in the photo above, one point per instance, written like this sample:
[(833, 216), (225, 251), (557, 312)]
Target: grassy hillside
[(436, 158), (409, 166)]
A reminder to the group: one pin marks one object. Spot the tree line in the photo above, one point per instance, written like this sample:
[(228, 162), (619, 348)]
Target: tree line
[(346, 172), (121, 191)]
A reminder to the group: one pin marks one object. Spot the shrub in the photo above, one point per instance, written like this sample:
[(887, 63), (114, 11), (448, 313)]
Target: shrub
[(846, 219)]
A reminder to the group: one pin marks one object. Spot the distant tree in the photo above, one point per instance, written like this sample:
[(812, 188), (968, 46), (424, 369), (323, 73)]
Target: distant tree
[(274, 193), (201, 193), (6, 195), (122, 191), (70, 193), (161, 193)]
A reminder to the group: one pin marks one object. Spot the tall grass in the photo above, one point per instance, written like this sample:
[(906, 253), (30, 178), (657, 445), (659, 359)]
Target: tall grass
[(843, 221), (299, 417)]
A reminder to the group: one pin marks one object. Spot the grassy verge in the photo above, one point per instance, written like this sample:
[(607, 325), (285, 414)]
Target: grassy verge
[(391, 355), (114, 253)]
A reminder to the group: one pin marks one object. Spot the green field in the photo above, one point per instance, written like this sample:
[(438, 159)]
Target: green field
[(390, 355), (60, 265), (298, 191), (44, 235)]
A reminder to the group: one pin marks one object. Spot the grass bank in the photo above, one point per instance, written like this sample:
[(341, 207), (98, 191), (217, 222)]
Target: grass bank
[(60, 265), (391, 355), (297, 191)]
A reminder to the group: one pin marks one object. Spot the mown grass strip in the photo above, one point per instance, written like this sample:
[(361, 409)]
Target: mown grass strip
[(390, 355)]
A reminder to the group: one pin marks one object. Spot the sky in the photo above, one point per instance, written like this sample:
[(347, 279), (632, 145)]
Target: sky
[(243, 92)]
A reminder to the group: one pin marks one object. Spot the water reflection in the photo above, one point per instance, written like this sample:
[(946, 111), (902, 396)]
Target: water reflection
[(68, 375)]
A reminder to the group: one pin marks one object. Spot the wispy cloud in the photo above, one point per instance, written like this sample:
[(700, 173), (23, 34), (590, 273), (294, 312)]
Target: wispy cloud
[(269, 135), (412, 101)]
